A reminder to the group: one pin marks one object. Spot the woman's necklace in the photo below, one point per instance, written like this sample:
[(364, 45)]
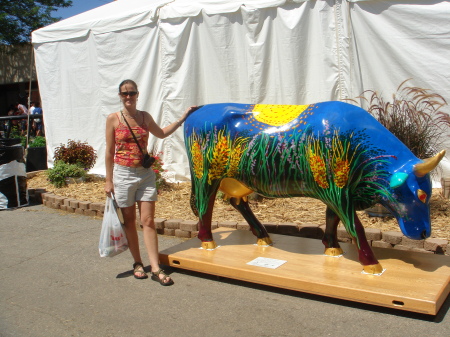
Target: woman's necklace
[(132, 117)]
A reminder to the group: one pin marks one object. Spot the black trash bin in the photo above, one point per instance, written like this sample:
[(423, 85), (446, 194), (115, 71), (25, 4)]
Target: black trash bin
[(13, 177), (36, 159)]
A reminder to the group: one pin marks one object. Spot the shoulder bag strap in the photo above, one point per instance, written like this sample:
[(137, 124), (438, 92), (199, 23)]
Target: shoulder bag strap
[(132, 133)]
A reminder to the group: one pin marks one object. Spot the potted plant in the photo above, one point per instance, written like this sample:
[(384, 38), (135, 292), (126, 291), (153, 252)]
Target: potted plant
[(37, 155)]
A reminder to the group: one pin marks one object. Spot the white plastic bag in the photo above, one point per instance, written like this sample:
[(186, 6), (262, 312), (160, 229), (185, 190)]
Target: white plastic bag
[(113, 239)]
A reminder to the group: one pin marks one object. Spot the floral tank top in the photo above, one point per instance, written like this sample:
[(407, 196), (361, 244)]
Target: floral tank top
[(127, 151)]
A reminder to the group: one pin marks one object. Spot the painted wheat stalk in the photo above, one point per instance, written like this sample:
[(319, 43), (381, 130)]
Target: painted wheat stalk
[(317, 164), (220, 158), (341, 169), (236, 154), (341, 162), (197, 159), (341, 166)]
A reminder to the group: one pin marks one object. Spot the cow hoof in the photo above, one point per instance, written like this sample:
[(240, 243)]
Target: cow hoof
[(209, 245), (334, 251), (264, 242), (375, 269)]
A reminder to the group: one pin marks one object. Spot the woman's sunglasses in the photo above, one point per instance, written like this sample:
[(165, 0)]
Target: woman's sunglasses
[(128, 93)]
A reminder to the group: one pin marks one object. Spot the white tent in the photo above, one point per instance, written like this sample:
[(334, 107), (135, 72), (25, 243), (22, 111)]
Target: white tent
[(193, 52)]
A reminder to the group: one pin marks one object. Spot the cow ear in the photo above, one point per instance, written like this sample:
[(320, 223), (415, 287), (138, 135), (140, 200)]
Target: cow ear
[(398, 179)]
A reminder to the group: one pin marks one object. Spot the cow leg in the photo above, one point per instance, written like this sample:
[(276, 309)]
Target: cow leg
[(330, 240), (365, 254), (204, 224), (256, 226)]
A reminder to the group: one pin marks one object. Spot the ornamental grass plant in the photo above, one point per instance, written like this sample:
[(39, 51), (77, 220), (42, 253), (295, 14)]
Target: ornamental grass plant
[(415, 116)]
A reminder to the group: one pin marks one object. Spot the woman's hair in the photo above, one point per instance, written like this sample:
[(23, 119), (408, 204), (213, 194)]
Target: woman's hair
[(128, 82)]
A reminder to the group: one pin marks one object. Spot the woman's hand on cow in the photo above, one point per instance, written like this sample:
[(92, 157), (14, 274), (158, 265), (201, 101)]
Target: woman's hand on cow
[(188, 111)]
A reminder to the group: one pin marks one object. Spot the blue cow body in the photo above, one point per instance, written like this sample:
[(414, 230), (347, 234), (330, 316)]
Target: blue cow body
[(332, 151)]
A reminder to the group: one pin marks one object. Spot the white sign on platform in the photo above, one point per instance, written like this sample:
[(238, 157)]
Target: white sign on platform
[(266, 262)]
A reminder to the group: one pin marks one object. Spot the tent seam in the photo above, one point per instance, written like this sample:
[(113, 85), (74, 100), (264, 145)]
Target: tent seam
[(168, 154), (340, 48)]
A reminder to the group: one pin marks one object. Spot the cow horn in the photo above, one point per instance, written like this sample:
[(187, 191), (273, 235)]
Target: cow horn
[(428, 165)]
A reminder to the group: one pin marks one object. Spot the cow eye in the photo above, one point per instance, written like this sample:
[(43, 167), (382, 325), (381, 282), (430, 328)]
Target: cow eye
[(422, 195)]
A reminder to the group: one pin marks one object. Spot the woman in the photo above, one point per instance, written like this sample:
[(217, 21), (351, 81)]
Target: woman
[(129, 181)]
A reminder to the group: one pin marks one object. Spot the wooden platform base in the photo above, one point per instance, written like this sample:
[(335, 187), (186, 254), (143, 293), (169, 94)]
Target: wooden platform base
[(412, 281)]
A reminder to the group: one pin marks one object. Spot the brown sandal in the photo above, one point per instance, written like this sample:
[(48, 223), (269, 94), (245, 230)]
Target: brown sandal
[(162, 281), (138, 267)]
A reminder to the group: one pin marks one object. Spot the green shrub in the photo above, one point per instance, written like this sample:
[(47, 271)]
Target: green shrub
[(38, 141), (61, 170), (78, 153), (15, 132)]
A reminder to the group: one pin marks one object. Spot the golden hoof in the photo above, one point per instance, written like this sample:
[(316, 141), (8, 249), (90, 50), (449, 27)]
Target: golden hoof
[(267, 241), (209, 245), (334, 251), (374, 269)]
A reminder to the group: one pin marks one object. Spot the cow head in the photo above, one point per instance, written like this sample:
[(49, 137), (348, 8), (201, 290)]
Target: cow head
[(412, 191)]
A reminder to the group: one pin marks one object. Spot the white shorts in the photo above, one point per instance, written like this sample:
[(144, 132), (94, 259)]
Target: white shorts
[(133, 184)]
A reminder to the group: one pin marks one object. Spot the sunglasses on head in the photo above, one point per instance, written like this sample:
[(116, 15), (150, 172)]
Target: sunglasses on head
[(128, 93)]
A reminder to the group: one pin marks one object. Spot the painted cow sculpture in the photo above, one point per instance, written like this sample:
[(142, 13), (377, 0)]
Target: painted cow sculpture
[(332, 151)]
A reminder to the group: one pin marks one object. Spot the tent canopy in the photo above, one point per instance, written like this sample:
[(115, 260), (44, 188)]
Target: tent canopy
[(120, 15), (186, 52), (112, 17)]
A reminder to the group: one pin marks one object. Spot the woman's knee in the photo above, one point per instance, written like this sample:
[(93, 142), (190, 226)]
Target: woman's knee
[(129, 214), (148, 221)]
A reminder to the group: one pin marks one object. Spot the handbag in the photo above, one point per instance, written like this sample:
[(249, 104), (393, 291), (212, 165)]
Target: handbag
[(113, 239), (147, 160)]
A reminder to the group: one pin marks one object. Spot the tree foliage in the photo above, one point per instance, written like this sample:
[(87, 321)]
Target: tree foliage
[(18, 18)]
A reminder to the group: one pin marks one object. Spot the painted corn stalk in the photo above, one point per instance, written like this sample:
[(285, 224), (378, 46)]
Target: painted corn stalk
[(332, 151)]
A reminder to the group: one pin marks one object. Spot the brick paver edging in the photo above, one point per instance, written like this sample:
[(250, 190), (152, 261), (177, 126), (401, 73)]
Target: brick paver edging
[(188, 228)]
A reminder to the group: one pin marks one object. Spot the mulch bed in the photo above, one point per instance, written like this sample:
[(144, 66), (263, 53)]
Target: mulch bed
[(173, 203)]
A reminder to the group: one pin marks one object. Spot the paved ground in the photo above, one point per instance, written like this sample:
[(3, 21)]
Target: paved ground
[(53, 283)]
